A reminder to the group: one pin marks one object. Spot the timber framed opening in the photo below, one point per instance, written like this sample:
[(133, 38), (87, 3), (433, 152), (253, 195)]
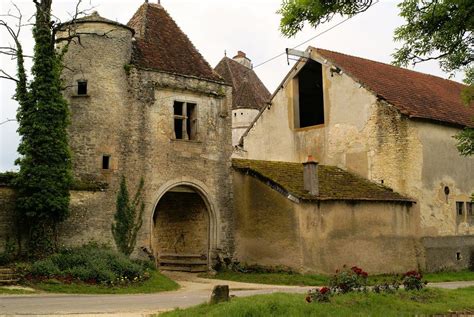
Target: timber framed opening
[(309, 97)]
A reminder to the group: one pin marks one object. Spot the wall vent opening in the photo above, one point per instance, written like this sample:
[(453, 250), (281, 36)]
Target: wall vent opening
[(82, 87)]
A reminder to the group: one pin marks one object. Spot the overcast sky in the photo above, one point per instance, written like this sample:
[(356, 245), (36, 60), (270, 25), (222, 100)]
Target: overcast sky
[(216, 26)]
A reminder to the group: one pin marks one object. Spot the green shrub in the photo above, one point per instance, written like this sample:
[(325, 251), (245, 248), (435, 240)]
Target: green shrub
[(93, 264), (45, 268)]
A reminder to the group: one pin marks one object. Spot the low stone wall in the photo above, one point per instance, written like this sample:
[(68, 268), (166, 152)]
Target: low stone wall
[(88, 220), (449, 253), (7, 205)]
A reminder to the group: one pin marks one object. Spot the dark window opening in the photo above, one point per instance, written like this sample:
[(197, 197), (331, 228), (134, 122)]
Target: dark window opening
[(459, 207), (458, 256), (185, 120), (470, 207), (105, 162), (82, 87), (310, 95)]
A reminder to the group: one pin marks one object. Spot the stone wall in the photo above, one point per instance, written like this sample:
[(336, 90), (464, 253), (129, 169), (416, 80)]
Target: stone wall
[(7, 220), (321, 237), (449, 253), (88, 221)]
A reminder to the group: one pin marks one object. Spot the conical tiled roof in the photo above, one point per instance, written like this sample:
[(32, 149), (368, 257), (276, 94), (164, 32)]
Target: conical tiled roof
[(248, 91), (161, 45)]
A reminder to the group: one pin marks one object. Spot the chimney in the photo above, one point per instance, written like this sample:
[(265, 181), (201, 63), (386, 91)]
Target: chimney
[(310, 176), (242, 58)]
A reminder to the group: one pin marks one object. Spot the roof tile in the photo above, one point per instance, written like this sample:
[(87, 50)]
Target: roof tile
[(248, 91), (161, 45)]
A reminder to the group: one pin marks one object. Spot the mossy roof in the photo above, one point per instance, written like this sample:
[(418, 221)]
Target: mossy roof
[(334, 183)]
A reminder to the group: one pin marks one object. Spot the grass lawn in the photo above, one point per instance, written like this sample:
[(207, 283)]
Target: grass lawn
[(7, 291), (319, 280), (156, 283), (402, 303)]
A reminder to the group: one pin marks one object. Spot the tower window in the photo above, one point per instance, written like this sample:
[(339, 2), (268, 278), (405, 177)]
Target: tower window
[(82, 87), (185, 120), (309, 105), (105, 162)]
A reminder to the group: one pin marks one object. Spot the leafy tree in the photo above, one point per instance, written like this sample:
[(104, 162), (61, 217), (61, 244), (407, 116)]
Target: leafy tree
[(435, 30), (43, 116), (127, 221)]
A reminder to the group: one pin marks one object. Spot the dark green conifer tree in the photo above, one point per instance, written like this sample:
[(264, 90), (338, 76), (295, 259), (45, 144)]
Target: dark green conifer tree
[(128, 220), (45, 162)]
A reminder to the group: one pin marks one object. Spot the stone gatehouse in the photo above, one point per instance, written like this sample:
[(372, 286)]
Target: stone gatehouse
[(145, 104)]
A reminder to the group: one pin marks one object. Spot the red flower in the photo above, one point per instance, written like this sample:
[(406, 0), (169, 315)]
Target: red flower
[(324, 290)]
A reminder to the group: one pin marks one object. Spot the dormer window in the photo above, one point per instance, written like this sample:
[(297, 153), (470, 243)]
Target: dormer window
[(309, 101), (82, 87)]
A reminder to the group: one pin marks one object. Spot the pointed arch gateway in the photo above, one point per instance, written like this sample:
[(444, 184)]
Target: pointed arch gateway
[(183, 227)]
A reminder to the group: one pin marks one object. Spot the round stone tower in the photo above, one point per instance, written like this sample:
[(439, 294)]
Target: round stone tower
[(95, 74)]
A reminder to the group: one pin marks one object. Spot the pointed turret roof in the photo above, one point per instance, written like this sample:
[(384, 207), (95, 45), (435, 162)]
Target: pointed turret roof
[(248, 91), (161, 45)]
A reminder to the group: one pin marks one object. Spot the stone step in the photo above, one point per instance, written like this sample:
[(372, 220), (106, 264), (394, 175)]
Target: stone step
[(201, 268), (9, 281), (6, 270), (192, 261), (182, 255)]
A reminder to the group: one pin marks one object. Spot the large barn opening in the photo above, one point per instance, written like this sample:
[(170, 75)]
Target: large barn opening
[(181, 231), (310, 107)]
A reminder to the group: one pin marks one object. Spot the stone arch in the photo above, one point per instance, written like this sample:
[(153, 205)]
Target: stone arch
[(200, 189)]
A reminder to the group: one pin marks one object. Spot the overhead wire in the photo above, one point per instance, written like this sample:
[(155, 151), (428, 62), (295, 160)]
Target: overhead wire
[(310, 39)]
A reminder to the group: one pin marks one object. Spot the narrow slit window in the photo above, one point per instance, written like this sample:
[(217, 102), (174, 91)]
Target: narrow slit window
[(310, 107), (105, 162), (459, 208), (82, 87), (185, 120)]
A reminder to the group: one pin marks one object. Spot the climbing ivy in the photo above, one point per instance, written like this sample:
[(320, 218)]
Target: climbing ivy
[(128, 217), (45, 161)]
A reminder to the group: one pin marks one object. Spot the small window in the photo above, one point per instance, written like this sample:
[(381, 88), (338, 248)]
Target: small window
[(309, 108), (459, 208), (458, 256), (185, 120), (82, 87), (470, 207), (105, 162)]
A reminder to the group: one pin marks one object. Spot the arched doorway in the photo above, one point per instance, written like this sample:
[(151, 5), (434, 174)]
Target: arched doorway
[(181, 230)]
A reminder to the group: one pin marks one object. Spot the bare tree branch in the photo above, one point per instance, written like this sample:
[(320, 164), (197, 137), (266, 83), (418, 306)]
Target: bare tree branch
[(7, 120)]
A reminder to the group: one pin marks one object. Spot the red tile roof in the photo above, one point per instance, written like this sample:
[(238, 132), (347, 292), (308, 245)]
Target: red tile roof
[(414, 94), (248, 91), (161, 45)]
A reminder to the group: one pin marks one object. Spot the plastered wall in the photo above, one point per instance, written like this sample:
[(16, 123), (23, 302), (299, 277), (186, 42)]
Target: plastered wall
[(321, 237)]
